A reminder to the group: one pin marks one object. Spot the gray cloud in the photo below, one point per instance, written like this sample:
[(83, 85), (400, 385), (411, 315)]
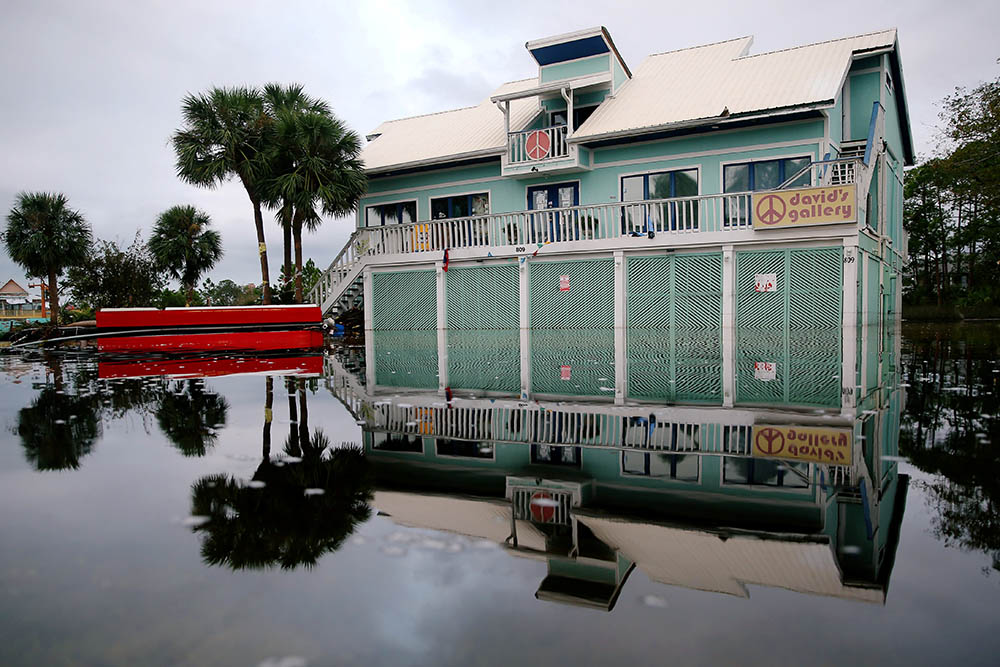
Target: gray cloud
[(92, 90)]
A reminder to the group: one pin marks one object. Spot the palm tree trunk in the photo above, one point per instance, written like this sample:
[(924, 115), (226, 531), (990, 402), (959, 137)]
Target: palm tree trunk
[(265, 275), (293, 418), (303, 413), (286, 229), (53, 298), (268, 404), (188, 294), (297, 233)]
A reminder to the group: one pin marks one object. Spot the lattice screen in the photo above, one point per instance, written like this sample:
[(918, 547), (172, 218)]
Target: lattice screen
[(404, 301), (405, 358), (797, 326), (674, 320)]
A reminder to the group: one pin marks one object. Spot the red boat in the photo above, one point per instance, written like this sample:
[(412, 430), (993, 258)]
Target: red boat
[(258, 328), (206, 366)]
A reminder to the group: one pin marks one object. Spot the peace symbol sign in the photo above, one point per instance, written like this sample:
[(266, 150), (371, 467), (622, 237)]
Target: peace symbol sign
[(771, 209), (769, 441), (537, 145)]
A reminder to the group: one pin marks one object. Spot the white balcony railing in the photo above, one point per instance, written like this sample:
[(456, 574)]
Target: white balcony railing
[(548, 143), (677, 216)]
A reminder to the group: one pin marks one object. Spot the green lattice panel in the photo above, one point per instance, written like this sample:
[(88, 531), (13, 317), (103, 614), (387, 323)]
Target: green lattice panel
[(589, 353), (674, 317), (483, 297), (406, 359), (797, 326), (589, 303), (874, 307), (404, 301), (484, 360)]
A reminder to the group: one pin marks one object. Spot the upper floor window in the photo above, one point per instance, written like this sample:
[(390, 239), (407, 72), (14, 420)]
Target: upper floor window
[(396, 213), (765, 472), (764, 175), (683, 467), (465, 449), (393, 442), (580, 115), (660, 185), (460, 206)]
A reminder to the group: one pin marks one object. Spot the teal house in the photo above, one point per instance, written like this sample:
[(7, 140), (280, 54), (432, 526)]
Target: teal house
[(713, 227)]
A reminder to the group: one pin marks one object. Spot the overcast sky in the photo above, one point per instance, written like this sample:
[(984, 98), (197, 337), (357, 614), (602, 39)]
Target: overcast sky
[(92, 90)]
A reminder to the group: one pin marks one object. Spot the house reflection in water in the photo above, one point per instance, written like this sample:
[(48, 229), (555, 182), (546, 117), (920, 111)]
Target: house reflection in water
[(705, 497)]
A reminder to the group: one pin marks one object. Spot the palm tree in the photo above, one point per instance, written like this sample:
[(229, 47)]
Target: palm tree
[(286, 99), (46, 237), (190, 416), (316, 168), (224, 135), (184, 246)]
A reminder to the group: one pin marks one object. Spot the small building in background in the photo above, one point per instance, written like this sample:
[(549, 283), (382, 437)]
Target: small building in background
[(17, 303)]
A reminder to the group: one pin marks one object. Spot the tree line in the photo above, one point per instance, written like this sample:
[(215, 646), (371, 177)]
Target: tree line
[(288, 150), (952, 210)]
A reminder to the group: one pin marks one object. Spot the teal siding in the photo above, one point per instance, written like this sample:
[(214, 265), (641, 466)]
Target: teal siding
[(575, 68), (864, 92)]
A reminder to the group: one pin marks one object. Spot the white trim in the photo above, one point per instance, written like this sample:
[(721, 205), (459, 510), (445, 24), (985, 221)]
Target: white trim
[(620, 328), (441, 303), (867, 70), (419, 188), (494, 151), (685, 156), (595, 31), (430, 203), (728, 326), (416, 205)]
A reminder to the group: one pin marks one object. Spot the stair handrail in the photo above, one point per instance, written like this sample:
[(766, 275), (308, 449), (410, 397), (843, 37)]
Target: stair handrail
[(351, 253)]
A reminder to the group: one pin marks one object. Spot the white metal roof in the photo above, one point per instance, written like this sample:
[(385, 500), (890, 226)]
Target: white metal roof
[(702, 561), (678, 88), (720, 79), (454, 135)]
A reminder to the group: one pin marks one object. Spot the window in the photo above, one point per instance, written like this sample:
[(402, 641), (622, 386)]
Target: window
[(661, 185), (765, 472), (556, 455), (764, 175), (756, 176), (465, 449), (683, 467), (580, 115), (391, 442), (460, 206), (391, 214)]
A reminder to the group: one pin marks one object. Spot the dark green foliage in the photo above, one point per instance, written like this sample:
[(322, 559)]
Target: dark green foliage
[(228, 293), (183, 245), (278, 524), (189, 416), (45, 237), (952, 211), (58, 428), (115, 277), (950, 429), (224, 136)]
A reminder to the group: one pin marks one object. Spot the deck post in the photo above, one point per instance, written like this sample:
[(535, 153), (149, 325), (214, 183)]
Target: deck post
[(366, 283), (525, 323), (621, 349), (848, 372), (442, 327), (728, 325)]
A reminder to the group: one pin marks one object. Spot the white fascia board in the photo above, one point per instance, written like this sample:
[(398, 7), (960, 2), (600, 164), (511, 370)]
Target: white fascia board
[(444, 159), (714, 120), (554, 87), (565, 37)]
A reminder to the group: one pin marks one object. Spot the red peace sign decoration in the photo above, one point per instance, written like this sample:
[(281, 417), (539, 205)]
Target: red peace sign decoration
[(538, 144), (771, 209), (769, 441), (543, 507)]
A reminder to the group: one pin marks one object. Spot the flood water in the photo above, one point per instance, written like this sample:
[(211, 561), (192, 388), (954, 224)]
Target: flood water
[(277, 511)]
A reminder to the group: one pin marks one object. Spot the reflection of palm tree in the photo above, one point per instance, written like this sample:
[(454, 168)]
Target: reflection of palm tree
[(188, 415), (291, 514), (57, 429)]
